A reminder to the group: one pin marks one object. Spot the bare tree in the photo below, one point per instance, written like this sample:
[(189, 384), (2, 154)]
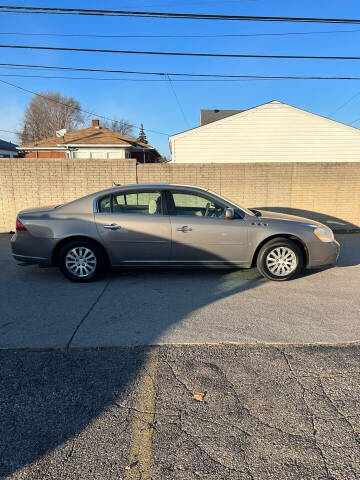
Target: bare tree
[(122, 126), (47, 113)]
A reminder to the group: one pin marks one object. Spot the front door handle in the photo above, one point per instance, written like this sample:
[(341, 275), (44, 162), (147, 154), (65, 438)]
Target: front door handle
[(113, 226), (185, 228)]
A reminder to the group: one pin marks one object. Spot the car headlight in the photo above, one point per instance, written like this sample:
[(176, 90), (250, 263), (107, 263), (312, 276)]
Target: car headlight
[(324, 234)]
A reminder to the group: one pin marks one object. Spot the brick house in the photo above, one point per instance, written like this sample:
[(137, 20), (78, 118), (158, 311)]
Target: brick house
[(93, 142)]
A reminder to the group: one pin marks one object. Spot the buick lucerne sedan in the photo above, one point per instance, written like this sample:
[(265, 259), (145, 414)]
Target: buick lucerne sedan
[(168, 225)]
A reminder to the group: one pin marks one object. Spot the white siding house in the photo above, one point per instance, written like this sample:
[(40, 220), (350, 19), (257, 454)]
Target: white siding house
[(273, 132)]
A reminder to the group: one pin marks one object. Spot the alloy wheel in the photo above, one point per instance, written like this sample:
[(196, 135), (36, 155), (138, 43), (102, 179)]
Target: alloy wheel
[(281, 261), (81, 262)]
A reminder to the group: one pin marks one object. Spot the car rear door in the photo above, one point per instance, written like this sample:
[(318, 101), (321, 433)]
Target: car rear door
[(134, 228), (201, 234)]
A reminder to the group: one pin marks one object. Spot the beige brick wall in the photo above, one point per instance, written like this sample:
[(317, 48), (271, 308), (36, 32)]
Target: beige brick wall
[(328, 188), (332, 189), (28, 183)]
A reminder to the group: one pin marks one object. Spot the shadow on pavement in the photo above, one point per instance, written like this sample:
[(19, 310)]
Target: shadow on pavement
[(50, 398), (336, 224), (350, 249)]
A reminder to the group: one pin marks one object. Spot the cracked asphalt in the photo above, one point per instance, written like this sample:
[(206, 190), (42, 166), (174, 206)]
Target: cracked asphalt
[(267, 412), (180, 375)]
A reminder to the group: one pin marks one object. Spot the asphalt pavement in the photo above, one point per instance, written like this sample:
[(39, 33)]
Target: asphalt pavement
[(180, 375), (211, 412), (42, 309)]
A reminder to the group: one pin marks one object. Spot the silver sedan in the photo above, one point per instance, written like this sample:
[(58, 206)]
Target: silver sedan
[(155, 225)]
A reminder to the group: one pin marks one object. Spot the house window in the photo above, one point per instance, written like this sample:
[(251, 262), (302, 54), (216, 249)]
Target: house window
[(120, 153), (99, 155), (80, 154)]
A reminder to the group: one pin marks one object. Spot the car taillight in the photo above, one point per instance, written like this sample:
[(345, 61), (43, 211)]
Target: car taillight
[(19, 226)]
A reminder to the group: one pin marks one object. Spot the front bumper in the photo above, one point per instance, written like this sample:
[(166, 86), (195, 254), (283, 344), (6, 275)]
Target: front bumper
[(322, 254)]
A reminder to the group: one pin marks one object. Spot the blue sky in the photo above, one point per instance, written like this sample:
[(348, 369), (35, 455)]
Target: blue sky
[(153, 103)]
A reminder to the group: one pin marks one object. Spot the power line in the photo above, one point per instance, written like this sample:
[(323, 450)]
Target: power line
[(188, 16), (354, 121), (173, 74), (194, 3), (216, 35), (239, 78), (186, 54), (344, 104), (128, 79), (9, 131), (177, 100), (74, 108)]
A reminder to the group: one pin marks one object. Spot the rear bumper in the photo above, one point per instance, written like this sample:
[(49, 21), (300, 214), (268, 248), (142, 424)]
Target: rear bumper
[(322, 254), (29, 249), (27, 259)]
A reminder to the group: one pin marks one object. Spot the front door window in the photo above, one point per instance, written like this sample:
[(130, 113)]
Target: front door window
[(187, 204)]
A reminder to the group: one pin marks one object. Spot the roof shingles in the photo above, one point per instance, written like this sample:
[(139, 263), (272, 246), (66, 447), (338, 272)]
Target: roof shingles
[(86, 136), (4, 145)]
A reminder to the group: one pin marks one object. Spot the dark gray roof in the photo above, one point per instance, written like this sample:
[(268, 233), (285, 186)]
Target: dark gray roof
[(7, 146), (209, 116)]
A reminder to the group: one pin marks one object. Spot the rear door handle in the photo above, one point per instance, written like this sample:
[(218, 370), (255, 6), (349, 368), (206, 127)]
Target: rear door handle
[(113, 226), (185, 228)]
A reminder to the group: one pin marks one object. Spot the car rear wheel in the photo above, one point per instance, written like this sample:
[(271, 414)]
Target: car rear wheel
[(280, 259), (81, 261)]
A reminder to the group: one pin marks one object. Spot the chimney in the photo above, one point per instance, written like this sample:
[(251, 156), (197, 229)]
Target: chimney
[(95, 122)]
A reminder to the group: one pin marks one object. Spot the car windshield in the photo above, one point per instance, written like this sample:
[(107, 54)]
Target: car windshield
[(246, 210)]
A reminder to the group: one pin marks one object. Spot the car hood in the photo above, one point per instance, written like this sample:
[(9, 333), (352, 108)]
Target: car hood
[(289, 218)]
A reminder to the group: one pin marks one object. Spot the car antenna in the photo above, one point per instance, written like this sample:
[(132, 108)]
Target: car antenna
[(116, 184)]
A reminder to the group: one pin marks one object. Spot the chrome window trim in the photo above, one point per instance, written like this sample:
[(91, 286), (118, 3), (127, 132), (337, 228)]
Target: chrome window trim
[(137, 214), (168, 187)]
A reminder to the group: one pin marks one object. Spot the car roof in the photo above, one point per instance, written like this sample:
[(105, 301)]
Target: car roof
[(136, 186)]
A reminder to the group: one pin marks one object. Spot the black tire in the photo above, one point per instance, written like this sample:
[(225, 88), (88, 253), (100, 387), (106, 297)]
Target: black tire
[(98, 267), (268, 248)]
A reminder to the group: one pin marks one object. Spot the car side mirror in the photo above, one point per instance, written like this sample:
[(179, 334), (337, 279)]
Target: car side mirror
[(230, 213)]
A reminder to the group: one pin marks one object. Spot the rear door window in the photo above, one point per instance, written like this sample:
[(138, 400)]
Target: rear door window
[(139, 203), (104, 204)]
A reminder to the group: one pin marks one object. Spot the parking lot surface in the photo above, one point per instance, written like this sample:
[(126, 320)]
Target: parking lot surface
[(41, 309), (213, 412), (96, 381)]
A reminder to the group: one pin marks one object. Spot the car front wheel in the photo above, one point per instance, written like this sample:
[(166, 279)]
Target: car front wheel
[(280, 259), (81, 261)]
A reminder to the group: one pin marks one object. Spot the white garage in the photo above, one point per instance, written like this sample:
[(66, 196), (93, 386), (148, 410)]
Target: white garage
[(272, 132)]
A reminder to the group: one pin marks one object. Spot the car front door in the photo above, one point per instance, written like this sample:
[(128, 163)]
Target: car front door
[(201, 234), (133, 227)]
